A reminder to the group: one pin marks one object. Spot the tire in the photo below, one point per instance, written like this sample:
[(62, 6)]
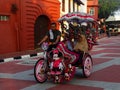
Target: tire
[(87, 65), (40, 71)]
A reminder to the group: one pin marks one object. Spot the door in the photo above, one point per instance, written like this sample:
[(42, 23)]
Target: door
[(40, 29)]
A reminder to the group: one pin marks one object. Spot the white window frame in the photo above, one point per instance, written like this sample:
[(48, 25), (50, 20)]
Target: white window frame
[(92, 11)]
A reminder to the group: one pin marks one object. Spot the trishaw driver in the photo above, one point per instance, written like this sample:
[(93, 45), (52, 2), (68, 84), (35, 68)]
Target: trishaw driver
[(53, 36)]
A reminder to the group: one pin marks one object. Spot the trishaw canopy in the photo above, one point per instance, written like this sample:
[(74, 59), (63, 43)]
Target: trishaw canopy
[(80, 16)]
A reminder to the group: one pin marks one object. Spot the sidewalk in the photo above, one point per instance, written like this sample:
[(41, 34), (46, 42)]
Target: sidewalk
[(19, 55)]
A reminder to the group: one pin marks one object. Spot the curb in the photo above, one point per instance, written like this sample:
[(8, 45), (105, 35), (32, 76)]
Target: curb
[(20, 57)]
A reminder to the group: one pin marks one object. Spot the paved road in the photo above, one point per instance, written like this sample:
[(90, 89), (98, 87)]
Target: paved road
[(18, 74)]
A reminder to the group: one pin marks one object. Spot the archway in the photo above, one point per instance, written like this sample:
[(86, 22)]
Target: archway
[(40, 29)]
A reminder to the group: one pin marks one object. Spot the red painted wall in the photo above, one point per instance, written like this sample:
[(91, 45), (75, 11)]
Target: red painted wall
[(17, 33), (8, 41), (30, 10)]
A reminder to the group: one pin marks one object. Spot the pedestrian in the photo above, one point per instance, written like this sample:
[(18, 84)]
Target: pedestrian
[(107, 31), (53, 36)]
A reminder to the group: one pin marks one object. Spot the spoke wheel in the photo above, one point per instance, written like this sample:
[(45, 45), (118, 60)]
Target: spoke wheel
[(87, 65), (40, 71)]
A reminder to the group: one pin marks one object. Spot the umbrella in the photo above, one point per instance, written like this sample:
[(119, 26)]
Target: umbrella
[(80, 16)]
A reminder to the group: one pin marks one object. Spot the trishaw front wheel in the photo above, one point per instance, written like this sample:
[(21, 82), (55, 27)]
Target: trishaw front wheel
[(40, 71)]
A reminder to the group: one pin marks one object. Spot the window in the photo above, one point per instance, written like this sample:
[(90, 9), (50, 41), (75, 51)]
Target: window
[(63, 5), (4, 18), (92, 11)]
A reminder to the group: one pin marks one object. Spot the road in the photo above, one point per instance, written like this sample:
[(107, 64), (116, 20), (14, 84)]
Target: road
[(18, 74)]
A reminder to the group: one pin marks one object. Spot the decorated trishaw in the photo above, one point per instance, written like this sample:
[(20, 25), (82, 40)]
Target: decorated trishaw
[(70, 53)]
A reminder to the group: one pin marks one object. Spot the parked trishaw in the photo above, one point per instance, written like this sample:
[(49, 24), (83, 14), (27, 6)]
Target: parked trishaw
[(70, 53)]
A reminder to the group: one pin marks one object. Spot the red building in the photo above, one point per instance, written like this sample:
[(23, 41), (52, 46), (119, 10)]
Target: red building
[(92, 8), (24, 22)]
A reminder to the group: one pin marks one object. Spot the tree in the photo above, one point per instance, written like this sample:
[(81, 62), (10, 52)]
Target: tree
[(107, 8)]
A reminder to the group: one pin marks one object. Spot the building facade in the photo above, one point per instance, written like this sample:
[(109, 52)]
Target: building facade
[(92, 8), (68, 6), (88, 6), (24, 22)]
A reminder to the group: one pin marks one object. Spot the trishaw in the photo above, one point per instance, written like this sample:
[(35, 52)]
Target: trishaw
[(61, 62)]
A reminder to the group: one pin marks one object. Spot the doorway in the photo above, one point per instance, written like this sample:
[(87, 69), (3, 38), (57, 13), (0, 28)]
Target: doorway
[(41, 27)]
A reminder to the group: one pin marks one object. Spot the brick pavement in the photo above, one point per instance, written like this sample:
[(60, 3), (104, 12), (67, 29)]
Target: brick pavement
[(18, 74)]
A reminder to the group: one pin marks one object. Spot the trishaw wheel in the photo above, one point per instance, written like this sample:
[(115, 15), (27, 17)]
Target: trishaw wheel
[(40, 71), (87, 65)]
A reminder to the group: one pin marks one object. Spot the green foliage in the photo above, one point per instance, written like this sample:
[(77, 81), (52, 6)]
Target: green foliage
[(107, 7)]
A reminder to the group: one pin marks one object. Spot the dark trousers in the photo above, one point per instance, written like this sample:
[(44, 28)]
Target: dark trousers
[(51, 47)]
